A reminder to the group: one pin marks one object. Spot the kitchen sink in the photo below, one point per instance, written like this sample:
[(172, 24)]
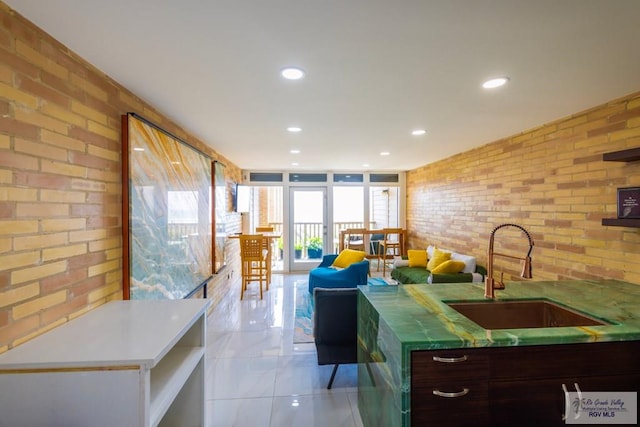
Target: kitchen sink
[(515, 314)]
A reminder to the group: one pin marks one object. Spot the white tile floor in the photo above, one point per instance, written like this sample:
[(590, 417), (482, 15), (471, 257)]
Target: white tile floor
[(256, 376)]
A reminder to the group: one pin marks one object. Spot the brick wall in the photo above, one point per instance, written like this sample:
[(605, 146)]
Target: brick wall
[(551, 180), (60, 182)]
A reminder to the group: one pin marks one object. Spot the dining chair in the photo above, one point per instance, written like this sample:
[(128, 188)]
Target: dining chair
[(390, 245), (254, 259), (374, 243), (354, 238)]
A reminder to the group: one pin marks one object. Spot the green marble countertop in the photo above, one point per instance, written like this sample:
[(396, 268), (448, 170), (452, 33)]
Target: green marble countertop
[(394, 321), (420, 320)]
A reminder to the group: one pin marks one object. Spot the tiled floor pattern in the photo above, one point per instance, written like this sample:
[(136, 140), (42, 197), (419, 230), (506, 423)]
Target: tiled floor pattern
[(257, 377)]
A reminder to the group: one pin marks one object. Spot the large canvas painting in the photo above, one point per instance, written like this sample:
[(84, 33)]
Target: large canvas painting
[(220, 203), (167, 215)]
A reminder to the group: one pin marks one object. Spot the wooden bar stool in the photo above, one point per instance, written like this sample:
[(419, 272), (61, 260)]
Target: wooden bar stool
[(270, 248), (254, 258)]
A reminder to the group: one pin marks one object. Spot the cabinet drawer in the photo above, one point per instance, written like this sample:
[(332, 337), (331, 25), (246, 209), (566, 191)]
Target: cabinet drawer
[(470, 408), (607, 358), (435, 365), (542, 402)]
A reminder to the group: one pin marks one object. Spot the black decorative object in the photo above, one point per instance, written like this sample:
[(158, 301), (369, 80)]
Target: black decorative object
[(629, 202)]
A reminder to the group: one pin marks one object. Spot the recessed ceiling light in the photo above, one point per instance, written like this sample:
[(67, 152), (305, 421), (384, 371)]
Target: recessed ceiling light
[(384, 153), (292, 73), (418, 132), (294, 129), (365, 165), (294, 164), (295, 151), (494, 83)]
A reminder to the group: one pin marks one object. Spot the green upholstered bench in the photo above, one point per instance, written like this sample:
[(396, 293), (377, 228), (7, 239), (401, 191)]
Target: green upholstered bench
[(417, 275)]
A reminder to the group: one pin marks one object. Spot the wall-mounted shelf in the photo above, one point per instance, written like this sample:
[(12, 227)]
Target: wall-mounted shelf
[(621, 222), (630, 155)]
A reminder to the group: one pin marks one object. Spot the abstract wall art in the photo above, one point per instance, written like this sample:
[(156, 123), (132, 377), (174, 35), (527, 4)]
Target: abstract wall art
[(167, 213), (220, 209)]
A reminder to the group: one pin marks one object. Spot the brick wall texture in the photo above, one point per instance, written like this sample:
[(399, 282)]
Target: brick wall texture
[(552, 181), (60, 182), (60, 188)]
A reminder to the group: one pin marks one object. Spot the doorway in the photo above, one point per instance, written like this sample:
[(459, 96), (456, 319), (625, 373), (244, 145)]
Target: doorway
[(308, 227)]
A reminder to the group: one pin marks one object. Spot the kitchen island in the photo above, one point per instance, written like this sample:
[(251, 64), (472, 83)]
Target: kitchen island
[(406, 328)]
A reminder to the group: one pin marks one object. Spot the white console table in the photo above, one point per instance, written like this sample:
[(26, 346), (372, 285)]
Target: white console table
[(126, 363)]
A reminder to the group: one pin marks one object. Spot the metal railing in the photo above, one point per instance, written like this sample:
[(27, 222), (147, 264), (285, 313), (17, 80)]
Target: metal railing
[(303, 233)]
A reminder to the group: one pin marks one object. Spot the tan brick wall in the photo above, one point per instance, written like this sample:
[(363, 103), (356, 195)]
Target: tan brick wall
[(60, 182), (552, 181)]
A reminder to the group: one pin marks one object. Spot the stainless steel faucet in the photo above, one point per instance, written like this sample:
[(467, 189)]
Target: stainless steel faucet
[(490, 284)]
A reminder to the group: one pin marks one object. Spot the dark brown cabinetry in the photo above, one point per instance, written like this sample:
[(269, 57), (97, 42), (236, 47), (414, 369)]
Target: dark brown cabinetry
[(507, 386), (449, 388)]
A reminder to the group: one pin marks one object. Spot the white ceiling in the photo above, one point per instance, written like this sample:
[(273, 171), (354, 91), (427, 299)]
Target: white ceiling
[(376, 69)]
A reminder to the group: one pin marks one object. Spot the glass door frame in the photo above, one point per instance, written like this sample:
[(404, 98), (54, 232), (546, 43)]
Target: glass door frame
[(306, 264)]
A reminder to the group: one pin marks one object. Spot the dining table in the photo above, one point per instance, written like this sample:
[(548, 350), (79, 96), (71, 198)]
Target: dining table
[(367, 233)]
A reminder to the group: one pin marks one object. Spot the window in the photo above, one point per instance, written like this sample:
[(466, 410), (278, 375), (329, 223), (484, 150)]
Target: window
[(348, 177), (265, 177), (384, 204), (308, 177), (384, 177)]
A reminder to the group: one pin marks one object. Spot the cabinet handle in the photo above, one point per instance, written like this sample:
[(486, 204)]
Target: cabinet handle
[(455, 394), (566, 397), (449, 359)]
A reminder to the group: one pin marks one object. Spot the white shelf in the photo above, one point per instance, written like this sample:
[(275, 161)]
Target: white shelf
[(168, 377), (145, 358)]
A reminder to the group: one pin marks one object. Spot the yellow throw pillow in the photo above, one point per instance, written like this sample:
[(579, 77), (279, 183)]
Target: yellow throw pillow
[(450, 266), (348, 257), (438, 258), (417, 258)]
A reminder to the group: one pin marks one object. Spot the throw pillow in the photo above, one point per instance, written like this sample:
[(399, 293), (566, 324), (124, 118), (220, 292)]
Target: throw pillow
[(417, 258), (399, 261), (348, 257), (449, 267), (469, 262), (438, 258)]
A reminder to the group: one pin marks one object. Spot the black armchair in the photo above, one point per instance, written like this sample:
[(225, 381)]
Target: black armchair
[(335, 327)]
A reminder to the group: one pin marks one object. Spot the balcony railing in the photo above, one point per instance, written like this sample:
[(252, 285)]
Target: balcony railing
[(303, 233)]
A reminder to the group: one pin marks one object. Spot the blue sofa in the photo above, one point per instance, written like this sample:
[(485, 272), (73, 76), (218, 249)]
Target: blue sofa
[(324, 276)]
